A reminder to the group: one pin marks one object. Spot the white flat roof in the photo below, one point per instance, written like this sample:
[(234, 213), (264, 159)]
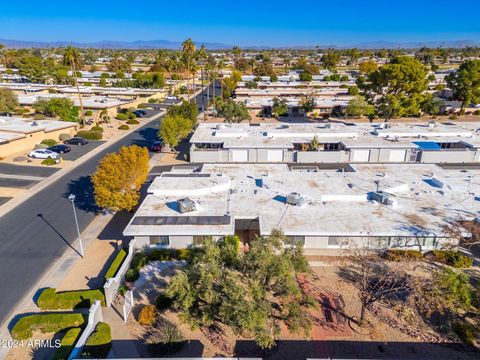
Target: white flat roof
[(18, 125), (336, 203), (278, 135)]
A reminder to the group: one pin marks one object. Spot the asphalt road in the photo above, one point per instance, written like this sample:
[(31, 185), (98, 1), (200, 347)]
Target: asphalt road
[(36, 233)]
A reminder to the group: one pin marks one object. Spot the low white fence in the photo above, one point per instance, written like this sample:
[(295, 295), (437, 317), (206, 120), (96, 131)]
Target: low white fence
[(94, 317), (111, 285)]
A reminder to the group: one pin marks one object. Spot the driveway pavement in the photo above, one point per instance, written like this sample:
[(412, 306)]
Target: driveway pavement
[(80, 150), (12, 169)]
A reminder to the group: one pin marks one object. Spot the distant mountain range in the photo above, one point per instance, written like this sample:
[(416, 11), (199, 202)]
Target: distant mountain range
[(166, 44)]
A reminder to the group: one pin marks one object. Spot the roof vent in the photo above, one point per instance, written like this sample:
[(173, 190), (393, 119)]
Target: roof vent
[(431, 124), (186, 205), (381, 197), (295, 199)]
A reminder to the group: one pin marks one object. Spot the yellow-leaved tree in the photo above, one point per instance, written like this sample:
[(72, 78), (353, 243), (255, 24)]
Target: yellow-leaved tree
[(118, 178)]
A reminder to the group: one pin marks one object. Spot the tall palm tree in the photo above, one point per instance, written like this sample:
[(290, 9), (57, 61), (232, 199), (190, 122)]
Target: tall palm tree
[(70, 56), (188, 51)]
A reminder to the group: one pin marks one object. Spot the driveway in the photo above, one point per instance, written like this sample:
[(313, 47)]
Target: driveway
[(80, 150)]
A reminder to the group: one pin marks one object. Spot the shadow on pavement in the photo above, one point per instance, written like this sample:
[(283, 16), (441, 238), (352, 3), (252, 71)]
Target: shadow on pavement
[(57, 232), (82, 188)]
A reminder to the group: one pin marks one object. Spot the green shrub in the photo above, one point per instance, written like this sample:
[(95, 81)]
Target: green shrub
[(39, 117), (169, 254), (67, 344), (453, 117), (122, 289), (131, 115), (123, 127), (465, 332), (133, 122), (450, 257), (153, 100), (116, 263), (147, 315), (41, 146), (97, 128), (139, 261), (49, 162), (99, 342), (121, 116), (163, 301), (48, 142), (402, 255), (88, 113), (49, 299), (45, 323), (142, 106), (90, 134), (476, 112), (64, 137), (131, 275)]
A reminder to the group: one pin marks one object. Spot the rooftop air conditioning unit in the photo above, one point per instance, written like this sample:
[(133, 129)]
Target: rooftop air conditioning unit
[(186, 205), (387, 126), (327, 126), (431, 124), (381, 197), (295, 199)]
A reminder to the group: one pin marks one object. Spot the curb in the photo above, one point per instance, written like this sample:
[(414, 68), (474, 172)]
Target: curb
[(10, 205)]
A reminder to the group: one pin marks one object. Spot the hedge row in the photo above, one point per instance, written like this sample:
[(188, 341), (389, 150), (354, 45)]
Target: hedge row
[(117, 262), (448, 257), (90, 134), (49, 299), (45, 323), (48, 142), (99, 342), (169, 254), (67, 344)]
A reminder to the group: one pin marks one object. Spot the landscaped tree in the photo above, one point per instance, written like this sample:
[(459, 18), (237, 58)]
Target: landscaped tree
[(465, 83), (252, 293), (232, 111), (71, 56), (8, 101), (61, 108), (118, 178), (186, 110), (174, 128), (367, 67), (330, 60), (279, 107), (305, 76), (308, 103), (359, 107), (398, 88), (188, 52)]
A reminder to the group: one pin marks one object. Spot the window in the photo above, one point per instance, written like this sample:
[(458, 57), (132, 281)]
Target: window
[(295, 240), (338, 241), (159, 240)]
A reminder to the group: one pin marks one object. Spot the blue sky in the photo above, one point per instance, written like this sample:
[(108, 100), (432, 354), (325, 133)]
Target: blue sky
[(275, 23)]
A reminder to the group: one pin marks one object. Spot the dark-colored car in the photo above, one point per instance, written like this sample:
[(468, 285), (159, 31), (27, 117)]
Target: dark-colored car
[(60, 148), (140, 113), (77, 140), (157, 146)]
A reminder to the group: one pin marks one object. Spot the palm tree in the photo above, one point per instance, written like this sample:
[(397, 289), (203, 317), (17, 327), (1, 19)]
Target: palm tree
[(188, 51), (70, 56)]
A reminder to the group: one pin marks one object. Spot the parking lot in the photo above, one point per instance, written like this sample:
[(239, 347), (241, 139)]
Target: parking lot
[(80, 150)]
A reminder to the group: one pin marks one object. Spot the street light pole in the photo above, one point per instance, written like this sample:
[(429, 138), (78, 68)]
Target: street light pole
[(72, 199)]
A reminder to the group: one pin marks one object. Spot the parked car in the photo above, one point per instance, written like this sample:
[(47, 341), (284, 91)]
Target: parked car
[(60, 148), (171, 97), (77, 140), (43, 154), (140, 113), (157, 146)]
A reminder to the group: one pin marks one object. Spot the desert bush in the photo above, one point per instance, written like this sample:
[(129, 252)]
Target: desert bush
[(167, 340), (450, 257), (123, 127), (48, 142), (64, 137), (402, 255), (133, 122), (97, 128), (90, 134), (163, 301), (41, 146), (139, 261), (49, 162), (147, 315), (121, 116), (465, 332)]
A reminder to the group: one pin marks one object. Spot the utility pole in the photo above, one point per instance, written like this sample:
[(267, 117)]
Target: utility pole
[(72, 200)]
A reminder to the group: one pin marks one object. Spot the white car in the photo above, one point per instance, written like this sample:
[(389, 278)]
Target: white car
[(43, 154), (171, 97)]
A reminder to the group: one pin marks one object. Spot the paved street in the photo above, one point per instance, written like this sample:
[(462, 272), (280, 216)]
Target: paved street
[(37, 232)]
